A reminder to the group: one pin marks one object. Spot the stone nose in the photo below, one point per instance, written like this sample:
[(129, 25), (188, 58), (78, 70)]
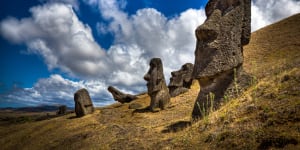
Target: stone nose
[(174, 73), (206, 34), (147, 77)]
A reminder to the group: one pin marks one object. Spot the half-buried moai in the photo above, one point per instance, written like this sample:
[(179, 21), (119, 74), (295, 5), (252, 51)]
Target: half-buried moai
[(62, 110), (181, 80), (83, 103), (156, 84), (120, 96), (219, 53)]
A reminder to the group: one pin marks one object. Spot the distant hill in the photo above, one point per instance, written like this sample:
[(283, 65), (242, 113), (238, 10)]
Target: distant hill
[(42, 108), (266, 116)]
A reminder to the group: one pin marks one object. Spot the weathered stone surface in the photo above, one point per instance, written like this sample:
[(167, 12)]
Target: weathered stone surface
[(156, 84), (181, 80), (219, 53), (120, 96), (62, 110), (83, 103)]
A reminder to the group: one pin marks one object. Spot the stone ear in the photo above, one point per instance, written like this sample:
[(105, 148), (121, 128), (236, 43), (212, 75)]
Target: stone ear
[(246, 29)]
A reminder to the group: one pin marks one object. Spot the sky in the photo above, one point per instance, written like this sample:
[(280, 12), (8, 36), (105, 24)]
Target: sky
[(52, 48)]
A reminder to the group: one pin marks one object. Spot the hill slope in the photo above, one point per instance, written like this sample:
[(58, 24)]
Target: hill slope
[(265, 116)]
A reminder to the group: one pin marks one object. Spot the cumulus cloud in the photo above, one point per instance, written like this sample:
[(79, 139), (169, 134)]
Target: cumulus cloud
[(148, 33), (57, 90), (55, 32), (73, 3), (267, 12)]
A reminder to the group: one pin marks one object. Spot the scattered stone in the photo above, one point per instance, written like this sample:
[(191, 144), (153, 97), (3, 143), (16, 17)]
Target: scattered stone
[(285, 78), (120, 96), (62, 110), (83, 103), (251, 108), (219, 53), (135, 106), (156, 84), (181, 80)]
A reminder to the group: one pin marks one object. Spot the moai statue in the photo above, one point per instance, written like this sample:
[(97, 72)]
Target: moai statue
[(120, 96), (156, 84), (181, 80), (83, 103), (62, 110), (219, 53)]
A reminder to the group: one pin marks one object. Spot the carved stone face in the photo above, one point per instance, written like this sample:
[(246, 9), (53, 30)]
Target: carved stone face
[(182, 77), (83, 103), (154, 76), (221, 37), (156, 84), (219, 52)]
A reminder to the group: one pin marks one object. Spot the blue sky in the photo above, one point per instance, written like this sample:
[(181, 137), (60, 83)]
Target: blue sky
[(51, 48)]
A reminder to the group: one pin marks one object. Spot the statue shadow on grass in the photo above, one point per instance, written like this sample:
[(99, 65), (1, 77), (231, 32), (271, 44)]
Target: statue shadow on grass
[(176, 127), (73, 117), (142, 110)]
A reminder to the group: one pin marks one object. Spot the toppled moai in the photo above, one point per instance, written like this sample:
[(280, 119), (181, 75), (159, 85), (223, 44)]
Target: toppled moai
[(181, 80), (83, 103), (219, 53), (156, 84), (120, 96)]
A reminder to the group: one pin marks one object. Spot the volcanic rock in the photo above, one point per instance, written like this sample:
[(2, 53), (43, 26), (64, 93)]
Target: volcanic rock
[(62, 110), (219, 53), (83, 103), (156, 84), (181, 80), (120, 96)]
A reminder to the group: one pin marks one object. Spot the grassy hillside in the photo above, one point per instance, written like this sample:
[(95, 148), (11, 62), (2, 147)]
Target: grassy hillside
[(265, 116)]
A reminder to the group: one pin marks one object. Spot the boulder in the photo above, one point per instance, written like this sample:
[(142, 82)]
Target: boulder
[(120, 96), (181, 80), (219, 53), (156, 84), (83, 103)]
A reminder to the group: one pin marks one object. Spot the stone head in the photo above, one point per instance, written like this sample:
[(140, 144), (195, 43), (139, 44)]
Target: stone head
[(182, 77), (220, 39), (155, 76), (83, 103)]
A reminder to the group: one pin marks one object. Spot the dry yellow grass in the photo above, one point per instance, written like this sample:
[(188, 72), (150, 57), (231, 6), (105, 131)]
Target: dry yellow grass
[(265, 116)]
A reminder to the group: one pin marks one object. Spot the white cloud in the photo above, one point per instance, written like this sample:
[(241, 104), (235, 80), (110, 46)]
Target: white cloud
[(57, 90), (147, 34), (73, 3), (91, 2), (101, 28), (55, 33), (270, 11)]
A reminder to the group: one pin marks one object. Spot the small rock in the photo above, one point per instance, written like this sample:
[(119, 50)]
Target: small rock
[(285, 78), (251, 108)]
